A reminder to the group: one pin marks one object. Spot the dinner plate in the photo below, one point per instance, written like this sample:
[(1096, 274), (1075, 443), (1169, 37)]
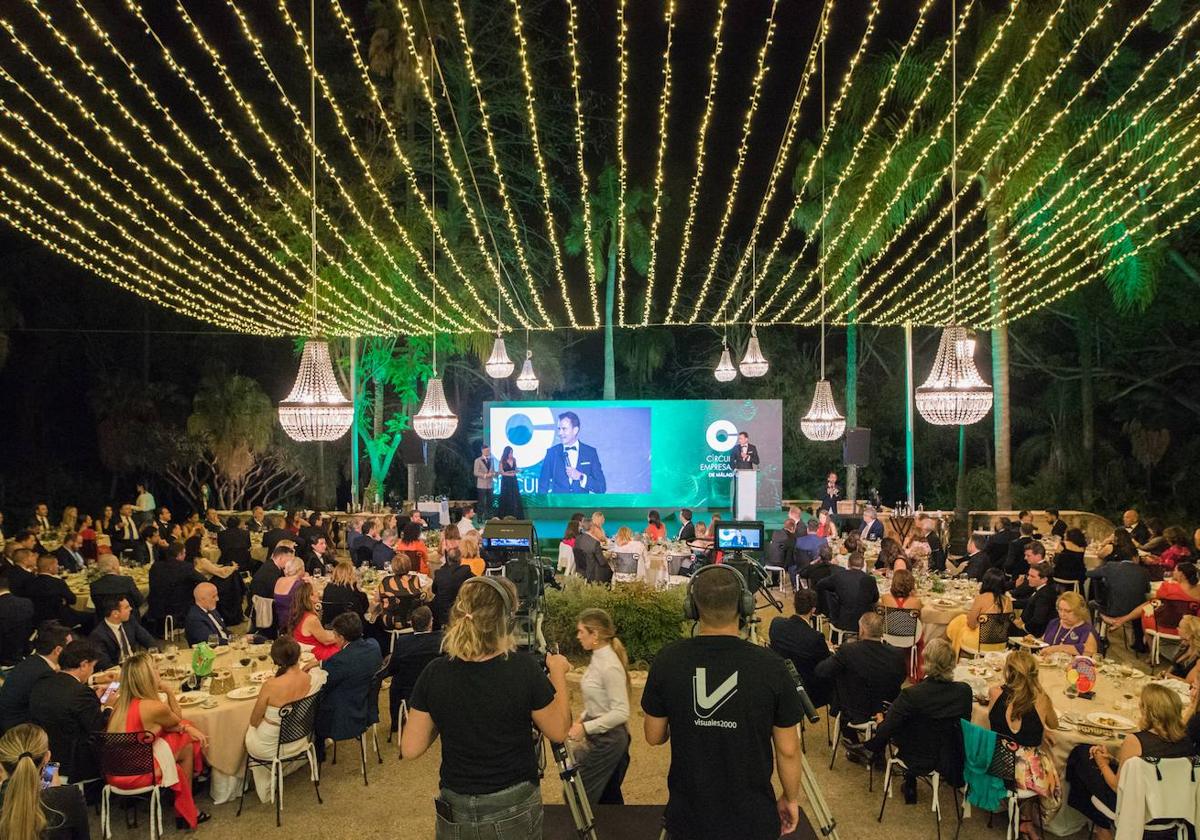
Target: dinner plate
[(1065, 726), (260, 677), (945, 603), (1109, 720), (193, 698), (1035, 644), (246, 692)]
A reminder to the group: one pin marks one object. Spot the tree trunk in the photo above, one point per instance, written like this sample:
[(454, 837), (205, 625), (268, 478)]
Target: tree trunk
[(610, 287), (1001, 415), (1087, 411), (852, 387)]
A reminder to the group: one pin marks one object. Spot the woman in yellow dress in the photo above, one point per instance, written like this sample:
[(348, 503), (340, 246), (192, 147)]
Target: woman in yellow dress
[(963, 630)]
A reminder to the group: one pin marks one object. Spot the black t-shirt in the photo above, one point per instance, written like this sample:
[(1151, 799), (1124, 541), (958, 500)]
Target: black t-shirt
[(483, 712), (722, 697)]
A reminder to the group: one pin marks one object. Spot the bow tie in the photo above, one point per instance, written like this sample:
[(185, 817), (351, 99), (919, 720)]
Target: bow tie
[(570, 448)]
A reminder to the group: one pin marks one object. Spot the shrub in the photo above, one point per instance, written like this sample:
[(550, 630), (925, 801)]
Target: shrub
[(646, 618)]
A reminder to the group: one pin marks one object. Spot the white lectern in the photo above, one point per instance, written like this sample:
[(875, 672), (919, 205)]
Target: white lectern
[(745, 495)]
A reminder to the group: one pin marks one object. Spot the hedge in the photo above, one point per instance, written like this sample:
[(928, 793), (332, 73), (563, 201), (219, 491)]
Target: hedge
[(646, 618)]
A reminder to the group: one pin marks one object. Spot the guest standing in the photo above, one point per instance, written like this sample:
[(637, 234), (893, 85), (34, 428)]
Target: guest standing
[(604, 723)]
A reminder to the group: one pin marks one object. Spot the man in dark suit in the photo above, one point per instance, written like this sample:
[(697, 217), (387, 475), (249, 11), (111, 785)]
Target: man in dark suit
[(112, 583), (163, 523), (172, 580), (923, 722), (1058, 527), (257, 523), (117, 636), (53, 599), (203, 620), (1036, 597), (347, 708), (16, 624), (831, 495), (687, 531), (234, 543), (796, 638), (41, 517), (851, 593), (70, 712), (872, 528), (570, 466), (589, 557), (212, 521), (68, 554), (149, 546), (18, 685), (123, 531), (781, 549), (1014, 562), (22, 571), (976, 562), (745, 454), (412, 653), (865, 673), (262, 587), (275, 533)]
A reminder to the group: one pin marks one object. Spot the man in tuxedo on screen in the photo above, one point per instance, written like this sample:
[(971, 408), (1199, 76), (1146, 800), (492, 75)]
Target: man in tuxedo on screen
[(571, 466), (745, 454)]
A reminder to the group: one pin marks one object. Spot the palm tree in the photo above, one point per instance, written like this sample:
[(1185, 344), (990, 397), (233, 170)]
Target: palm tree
[(607, 212)]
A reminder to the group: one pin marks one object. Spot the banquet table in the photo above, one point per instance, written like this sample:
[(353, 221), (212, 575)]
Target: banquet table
[(81, 586), (938, 609)]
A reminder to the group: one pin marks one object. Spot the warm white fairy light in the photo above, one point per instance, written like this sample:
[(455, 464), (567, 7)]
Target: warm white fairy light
[(664, 106), (702, 137), (584, 197), (622, 164), (736, 177)]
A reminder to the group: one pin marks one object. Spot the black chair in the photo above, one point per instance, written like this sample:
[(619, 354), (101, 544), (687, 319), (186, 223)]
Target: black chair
[(363, 554), (943, 729), (296, 721), (993, 633), (129, 754), (373, 703)]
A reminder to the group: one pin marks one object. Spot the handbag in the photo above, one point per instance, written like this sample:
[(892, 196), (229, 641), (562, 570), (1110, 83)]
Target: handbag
[(1004, 760)]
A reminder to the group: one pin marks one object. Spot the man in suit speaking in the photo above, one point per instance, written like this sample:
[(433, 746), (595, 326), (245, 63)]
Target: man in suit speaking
[(745, 454), (571, 466)]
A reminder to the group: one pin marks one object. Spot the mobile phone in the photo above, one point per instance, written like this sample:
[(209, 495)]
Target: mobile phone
[(112, 689), (48, 774), (443, 809)]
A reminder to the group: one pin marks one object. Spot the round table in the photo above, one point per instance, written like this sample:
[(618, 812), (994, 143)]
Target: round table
[(81, 586)]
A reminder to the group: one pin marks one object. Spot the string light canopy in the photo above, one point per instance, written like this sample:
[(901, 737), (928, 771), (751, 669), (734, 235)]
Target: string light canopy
[(315, 409), (753, 364), (954, 394), (823, 422), (435, 420)]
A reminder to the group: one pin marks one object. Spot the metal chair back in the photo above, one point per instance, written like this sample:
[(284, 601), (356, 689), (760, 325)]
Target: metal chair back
[(297, 720), (901, 626), (126, 753), (993, 628), (625, 563)]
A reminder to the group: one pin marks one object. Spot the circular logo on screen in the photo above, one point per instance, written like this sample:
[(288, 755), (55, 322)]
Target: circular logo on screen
[(530, 431), (721, 435)]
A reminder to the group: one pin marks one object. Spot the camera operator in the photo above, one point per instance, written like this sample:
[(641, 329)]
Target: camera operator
[(483, 699), (723, 703)]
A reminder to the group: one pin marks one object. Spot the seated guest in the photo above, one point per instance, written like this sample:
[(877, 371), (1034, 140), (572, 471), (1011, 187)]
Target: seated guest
[(465, 523), (701, 542), (112, 583), (974, 564), (87, 537), (872, 528), (1035, 552), (203, 620), (469, 553), (1126, 587), (1119, 546), (999, 541), (900, 593), (410, 540), (257, 523), (275, 533), (1072, 631), (171, 583), (1068, 563), (16, 624), (382, 552), (992, 600), (796, 638), (116, 636), (655, 529), (290, 683), (68, 554), (146, 703), (923, 722), (781, 550), (1157, 542), (1015, 564), (342, 593), (446, 583), (70, 711), (163, 523), (864, 674), (1092, 771), (1178, 550), (400, 593), (1037, 599), (808, 544), (234, 543), (317, 527), (346, 705), (817, 571), (317, 556), (31, 810), (687, 531), (826, 527), (851, 592), (589, 555), (1184, 663), (1176, 596), (890, 552), (262, 587), (305, 627), (624, 542), (451, 540), (412, 653), (212, 521), (281, 595), (52, 598), (1058, 527), (149, 546), (123, 531), (18, 684)]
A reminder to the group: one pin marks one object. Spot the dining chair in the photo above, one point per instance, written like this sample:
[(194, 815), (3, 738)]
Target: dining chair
[(129, 755), (296, 743)]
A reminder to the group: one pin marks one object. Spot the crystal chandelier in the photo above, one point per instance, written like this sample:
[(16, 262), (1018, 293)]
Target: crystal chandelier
[(725, 371), (528, 380), (954, 394), (499, 366), (435, 420), (823, 422), (315, 409), (753, 364)]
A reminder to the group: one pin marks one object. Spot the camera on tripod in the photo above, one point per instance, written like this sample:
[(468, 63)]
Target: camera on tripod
[(512, 544)]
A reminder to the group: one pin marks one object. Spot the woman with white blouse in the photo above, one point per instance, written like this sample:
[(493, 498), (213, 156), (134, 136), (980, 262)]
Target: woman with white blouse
[(600, 735)]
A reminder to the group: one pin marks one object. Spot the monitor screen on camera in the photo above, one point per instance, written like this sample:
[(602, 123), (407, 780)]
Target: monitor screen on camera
[(740, 536), (507, 542)]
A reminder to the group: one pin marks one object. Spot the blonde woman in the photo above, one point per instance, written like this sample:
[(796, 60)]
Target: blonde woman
[(1071, 632), (489, 769), (70, 516), (28, 812), (1092, 771), (146, 703), (598, 522), (626, 543), (1186, 664), (600, 733), (1021, 711), (469, 548)]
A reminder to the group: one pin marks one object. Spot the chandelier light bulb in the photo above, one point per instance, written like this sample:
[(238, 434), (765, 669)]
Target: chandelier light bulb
[(753, 364), (725, 371), (499, 366), (435, 420), (954, 394), (823, 422), (316, 408), (528, 380)]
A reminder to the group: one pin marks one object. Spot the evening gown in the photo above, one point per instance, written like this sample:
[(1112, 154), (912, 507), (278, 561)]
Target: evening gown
[(510, 497), (166, 770)]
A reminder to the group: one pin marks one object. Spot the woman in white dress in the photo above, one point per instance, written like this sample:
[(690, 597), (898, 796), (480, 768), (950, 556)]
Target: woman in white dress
[(289, 684)]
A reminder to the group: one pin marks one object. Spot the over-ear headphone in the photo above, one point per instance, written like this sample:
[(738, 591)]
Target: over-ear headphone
[(506, 598), (745, 604)]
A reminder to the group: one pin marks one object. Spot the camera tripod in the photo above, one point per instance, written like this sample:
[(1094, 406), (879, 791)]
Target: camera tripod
[(574, 793)]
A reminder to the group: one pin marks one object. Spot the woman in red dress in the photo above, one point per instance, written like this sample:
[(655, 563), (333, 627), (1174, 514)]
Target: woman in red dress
[(304, 626), (147, 704)]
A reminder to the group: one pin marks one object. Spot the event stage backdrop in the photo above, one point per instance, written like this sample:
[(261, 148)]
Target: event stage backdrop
[(638, 453)]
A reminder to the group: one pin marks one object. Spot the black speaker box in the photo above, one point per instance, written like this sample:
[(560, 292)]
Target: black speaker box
[(856, 450)]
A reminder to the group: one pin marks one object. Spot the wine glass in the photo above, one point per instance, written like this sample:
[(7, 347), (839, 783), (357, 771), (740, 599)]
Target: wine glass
[(213, 640), (172, 652), (262, 659)]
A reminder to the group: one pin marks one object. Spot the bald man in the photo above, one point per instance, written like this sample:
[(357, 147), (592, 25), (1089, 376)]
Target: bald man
[(203, 621), (1137, 529)]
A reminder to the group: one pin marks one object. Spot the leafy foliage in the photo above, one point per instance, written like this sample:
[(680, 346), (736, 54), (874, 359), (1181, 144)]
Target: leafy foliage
[(646, 618)]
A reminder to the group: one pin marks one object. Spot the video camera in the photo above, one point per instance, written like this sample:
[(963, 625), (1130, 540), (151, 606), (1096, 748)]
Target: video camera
[(513, 545)]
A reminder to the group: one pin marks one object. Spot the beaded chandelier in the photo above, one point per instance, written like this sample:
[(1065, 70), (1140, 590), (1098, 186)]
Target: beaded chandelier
[(725, 371), (498, 365), (528, 380), (753, 364)]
